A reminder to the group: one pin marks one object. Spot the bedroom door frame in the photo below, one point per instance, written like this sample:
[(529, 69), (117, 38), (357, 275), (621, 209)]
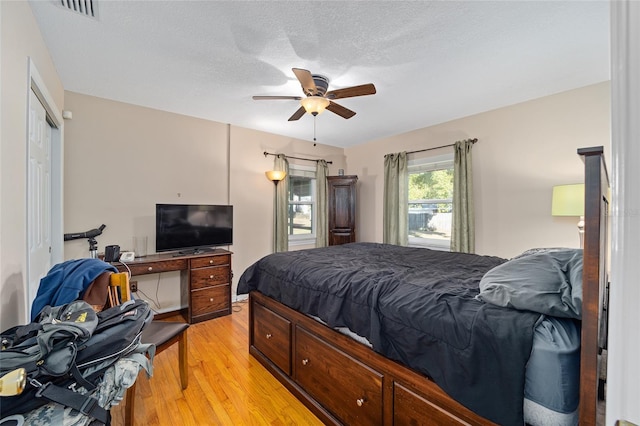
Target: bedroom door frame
[(623, 371), (35, 269)]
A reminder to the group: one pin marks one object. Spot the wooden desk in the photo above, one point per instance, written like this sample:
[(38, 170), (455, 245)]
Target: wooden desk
[(207, 276)]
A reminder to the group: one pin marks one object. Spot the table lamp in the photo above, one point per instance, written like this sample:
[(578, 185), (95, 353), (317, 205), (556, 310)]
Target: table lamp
[(568, 200)]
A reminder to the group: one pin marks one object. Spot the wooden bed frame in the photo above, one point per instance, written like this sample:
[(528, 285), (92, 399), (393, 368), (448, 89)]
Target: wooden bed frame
[(344, 382)]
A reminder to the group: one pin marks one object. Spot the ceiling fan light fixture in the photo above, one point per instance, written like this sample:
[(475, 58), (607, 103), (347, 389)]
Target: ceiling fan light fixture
[(314, 105)]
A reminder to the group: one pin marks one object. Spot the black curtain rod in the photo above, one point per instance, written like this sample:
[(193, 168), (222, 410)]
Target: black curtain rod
[(438, 147), (297, 158)]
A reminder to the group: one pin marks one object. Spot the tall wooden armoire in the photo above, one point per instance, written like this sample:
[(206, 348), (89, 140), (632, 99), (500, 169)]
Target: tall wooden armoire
[(342, 209)]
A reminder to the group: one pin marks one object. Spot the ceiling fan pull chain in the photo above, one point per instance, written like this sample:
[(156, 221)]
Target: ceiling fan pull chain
[(314, 129)]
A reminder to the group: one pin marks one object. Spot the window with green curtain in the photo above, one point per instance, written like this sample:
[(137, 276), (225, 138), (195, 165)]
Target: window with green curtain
[(430, 199), (394, 208), (302, 205), (281, 242), (463, 223), (322, 222)]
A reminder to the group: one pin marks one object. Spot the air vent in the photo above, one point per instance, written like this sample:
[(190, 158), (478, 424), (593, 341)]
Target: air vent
[(83, 7)]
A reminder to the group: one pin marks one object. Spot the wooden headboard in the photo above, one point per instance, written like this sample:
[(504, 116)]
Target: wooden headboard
[(594, 278)]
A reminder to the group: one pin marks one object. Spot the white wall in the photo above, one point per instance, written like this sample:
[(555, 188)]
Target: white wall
[(522, 152), (20, 39)]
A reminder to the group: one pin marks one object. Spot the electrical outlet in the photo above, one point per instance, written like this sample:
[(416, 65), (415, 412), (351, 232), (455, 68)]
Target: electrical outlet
[(134, 286)]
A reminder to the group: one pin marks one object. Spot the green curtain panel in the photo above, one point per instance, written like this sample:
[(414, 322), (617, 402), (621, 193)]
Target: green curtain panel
[(281, 235), (396, 200), (463, 220), (322, 237)]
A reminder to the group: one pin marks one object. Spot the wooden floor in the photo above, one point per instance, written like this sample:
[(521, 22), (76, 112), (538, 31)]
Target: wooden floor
[(226, 385)]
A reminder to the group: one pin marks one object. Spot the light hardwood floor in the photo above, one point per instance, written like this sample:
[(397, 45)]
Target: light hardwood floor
[(226, 385)]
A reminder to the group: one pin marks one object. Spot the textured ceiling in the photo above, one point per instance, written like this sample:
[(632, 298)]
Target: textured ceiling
[(431, 61)]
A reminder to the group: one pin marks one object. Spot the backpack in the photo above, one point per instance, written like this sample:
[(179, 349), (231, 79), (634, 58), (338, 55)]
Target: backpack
[(69, 347)]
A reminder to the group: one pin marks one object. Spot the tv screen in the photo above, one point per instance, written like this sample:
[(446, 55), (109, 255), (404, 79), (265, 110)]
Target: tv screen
[(188, 228)]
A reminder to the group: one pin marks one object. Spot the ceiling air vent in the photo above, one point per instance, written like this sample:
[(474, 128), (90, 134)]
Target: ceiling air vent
[(83, 7)]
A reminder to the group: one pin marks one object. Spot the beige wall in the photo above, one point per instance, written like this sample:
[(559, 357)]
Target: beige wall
[(253, 194), (20, 39), (523, 151), (121, 159)]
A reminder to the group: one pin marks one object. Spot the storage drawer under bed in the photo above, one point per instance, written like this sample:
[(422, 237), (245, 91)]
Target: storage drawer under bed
[(272, 336), (324, 372)]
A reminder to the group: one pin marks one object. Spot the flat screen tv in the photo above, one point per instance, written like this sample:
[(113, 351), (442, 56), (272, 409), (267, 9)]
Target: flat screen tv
[(190, 228)]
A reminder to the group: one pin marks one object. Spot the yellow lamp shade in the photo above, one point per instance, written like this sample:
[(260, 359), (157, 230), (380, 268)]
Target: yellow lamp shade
[(275, 175), (568, 200)]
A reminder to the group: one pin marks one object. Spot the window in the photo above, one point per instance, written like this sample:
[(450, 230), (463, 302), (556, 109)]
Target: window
[(302, 205), (430, 202)]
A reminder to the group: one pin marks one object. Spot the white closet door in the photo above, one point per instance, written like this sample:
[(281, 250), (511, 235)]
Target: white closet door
[(38, 196)]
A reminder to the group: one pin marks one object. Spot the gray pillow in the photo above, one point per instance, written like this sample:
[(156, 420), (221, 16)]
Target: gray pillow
[(540, 250), (549, 283)]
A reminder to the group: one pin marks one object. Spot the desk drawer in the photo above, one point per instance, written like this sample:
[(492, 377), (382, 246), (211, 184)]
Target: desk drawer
[(143, 268), (207, 277), (210, 299), (203, 262)]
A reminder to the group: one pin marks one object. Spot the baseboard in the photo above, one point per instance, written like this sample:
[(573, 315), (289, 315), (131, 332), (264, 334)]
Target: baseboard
[(167, 314), (239, 298)]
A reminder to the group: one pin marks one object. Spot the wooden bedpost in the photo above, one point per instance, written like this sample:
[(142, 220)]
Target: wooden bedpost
[(594, 277)]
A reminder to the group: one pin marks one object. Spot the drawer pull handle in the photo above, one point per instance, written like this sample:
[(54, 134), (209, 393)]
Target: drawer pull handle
[(269, 335), (360, 402), (305, 361), (210, 277), (211, 262), (211, 299), (150, 268)]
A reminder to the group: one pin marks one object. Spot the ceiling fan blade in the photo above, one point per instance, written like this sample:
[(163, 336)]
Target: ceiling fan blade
[(350, 92), (340, 110), (306, 80), (266, 98), (296, 115)]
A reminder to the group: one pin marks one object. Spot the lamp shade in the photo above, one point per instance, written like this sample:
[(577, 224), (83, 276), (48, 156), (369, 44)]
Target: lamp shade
[(275, 175), (568, 200), (314, 105)]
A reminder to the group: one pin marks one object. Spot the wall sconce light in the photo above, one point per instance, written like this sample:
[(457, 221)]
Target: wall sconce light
[(275, 176), (314, 105), (568, 200)]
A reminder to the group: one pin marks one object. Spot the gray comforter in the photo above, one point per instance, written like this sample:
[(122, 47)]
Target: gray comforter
[(416, 306)]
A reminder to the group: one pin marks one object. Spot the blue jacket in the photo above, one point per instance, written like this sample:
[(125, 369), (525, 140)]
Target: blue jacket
[(67, 281)]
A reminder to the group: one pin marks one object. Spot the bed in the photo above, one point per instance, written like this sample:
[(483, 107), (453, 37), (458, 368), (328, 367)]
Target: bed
[(375, 334)]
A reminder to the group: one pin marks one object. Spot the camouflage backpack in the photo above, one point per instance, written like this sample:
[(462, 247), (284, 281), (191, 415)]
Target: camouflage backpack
[(68, 347)]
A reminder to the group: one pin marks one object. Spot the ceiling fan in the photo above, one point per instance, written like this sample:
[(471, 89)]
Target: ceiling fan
[(317, 98)]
